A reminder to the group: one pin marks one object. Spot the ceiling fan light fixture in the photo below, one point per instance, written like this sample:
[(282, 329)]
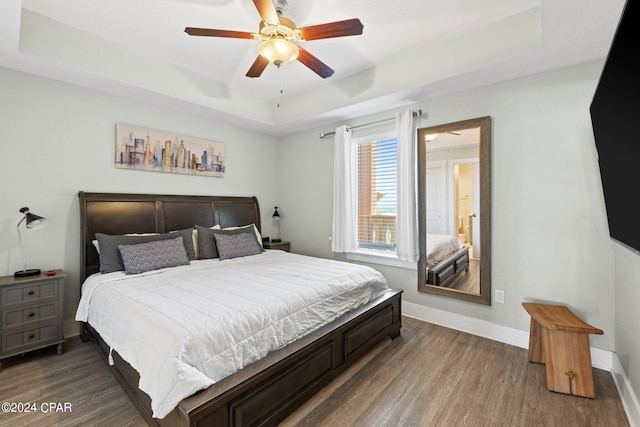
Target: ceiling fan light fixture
[(278, 51), (430, 136)]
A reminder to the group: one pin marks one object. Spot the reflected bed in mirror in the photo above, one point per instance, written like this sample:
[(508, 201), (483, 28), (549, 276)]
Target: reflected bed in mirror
[(454, 214)]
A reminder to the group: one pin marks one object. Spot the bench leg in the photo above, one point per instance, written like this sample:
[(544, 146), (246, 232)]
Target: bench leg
[(568, 362), (536, 352)]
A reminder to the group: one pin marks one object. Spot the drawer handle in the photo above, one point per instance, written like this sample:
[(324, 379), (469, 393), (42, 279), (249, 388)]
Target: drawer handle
[(32, 336), (31, 292), (32, 314)]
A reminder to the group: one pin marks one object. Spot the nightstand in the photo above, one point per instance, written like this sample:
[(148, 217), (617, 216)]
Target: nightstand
[(31, 313), (282, 245)]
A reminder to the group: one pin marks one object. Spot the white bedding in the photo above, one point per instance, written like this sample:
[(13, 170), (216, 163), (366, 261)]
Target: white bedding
[(439, 246), (186, 327)]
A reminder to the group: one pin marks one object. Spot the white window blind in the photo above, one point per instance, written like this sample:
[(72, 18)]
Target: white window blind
[(377, 193)]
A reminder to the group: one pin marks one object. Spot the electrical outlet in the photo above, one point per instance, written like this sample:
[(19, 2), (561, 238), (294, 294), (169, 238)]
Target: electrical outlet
[(499, 296)]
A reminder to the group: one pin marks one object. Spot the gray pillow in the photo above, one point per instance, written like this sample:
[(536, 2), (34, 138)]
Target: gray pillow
[(110, 258), (153, 255), (206, 243), (237, 243)]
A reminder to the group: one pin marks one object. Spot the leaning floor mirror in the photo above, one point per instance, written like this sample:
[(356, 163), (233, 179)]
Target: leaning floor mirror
[(454, 210)]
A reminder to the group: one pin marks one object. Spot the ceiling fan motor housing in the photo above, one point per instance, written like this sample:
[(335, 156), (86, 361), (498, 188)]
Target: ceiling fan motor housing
[(286, 30), (281, 6)]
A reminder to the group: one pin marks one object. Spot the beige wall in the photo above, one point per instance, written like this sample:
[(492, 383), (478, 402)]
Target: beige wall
[(58, 139), (549, 230)]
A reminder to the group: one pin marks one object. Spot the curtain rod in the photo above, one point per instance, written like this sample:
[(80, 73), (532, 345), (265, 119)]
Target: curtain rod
[(415, 114)]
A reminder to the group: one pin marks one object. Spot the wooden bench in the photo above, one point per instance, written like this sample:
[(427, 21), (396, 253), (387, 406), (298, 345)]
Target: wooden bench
[(560, 339)]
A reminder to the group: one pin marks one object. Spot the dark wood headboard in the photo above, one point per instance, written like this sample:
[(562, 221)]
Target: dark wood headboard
[(121, 213)]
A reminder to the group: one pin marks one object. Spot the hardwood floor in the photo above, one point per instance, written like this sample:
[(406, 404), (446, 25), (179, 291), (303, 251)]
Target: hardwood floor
[(429, 376), (469, 281), (79, 377), (434, 376)]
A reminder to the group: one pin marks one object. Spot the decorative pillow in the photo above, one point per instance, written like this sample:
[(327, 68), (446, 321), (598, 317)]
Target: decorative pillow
[(255, 229), (206, 243), (97, 246), (110, 258), (153, 255), (187, 237), (236, 243)]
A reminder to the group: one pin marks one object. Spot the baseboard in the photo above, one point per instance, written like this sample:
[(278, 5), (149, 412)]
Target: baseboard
[(628, 397), (601, 359)]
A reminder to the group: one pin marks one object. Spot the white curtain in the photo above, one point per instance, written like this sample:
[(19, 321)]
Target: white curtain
[(406, 224), (343, 238)]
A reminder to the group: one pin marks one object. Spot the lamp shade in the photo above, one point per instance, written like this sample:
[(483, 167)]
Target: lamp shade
[(34, 222), (276, 215), (278, 51)]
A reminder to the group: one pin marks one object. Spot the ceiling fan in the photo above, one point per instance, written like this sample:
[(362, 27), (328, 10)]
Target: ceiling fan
[(279, 37)]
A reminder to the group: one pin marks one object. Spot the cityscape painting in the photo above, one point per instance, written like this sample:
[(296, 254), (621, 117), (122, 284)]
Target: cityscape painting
[(153, 150)]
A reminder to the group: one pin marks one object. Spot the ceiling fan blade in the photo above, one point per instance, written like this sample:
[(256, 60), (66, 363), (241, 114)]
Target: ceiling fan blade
[(258, 66), (218, 33), (267, 11), (314, 64), (349, 27)]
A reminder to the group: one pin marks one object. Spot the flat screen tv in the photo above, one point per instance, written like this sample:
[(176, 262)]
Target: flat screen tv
[(615, 118)]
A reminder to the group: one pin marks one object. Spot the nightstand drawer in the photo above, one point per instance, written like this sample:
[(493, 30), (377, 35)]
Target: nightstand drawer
[(27, 293), (23, 340), (23, 316)]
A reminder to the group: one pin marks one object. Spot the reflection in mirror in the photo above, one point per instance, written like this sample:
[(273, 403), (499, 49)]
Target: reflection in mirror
[(454, 215)]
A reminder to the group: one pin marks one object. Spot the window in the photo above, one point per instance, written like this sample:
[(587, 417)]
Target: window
[(377, 179), (374, 195)]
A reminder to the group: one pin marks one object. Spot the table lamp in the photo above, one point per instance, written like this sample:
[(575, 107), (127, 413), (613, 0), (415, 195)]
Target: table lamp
[(276, 218), (33, 222)]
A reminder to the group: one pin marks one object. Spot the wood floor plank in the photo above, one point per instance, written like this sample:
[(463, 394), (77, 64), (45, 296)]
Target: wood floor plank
[(434, 376), (428, 376)]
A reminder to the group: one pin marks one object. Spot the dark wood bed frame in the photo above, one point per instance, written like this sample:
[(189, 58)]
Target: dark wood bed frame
[(446, 271), (267, 391)]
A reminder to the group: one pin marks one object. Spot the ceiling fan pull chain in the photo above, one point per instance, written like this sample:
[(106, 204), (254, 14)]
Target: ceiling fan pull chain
[(281, 71)]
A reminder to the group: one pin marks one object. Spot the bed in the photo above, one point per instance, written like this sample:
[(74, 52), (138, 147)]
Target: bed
[(447, 259), (266, 387)]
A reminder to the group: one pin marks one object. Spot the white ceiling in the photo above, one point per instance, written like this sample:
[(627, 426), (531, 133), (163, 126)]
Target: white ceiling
[(409, 50)]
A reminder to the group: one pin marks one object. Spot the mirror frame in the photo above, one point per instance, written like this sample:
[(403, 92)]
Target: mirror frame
[(484, 123)]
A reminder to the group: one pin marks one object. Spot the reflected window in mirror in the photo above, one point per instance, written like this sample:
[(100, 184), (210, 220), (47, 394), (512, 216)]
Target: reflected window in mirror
[(454, 210)]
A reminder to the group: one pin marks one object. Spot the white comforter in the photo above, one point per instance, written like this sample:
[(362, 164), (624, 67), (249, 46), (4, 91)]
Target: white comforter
[(439, 246), (186, 327)]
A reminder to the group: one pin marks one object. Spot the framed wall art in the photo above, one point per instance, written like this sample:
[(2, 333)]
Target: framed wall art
[(158, 151)]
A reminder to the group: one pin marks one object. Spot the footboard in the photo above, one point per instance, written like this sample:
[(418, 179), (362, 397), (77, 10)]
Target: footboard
[(445, 272), (267, 391)]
